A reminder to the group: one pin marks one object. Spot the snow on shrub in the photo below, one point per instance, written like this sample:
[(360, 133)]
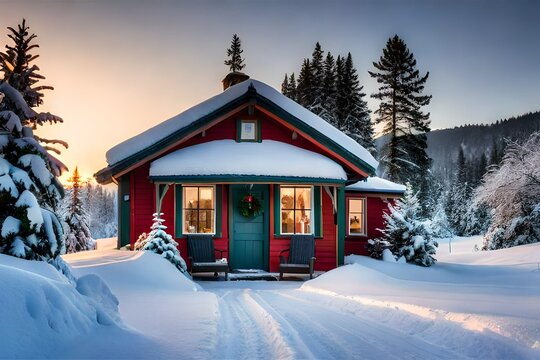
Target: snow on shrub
[(513, 191), (439, 224), (161, 243), (78, 237), (29, 188), (405, 234)]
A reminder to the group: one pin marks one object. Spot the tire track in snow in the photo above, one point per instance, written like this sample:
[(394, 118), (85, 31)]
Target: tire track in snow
[(335, 334), (247, 331)]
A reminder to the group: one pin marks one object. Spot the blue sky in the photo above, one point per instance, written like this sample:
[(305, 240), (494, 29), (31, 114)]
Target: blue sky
[(119, 67)]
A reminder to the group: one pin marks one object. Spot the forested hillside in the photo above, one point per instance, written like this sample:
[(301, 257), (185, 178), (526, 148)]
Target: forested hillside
[(476, 140)]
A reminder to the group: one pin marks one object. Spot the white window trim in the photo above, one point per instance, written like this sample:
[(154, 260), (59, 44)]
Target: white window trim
[(312, 209), (364, 216), (183, 208)]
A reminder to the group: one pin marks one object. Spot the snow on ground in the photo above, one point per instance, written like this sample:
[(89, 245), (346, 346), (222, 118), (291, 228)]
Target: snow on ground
[(497, 304), (156, 300), (44, 316), (462, 307)]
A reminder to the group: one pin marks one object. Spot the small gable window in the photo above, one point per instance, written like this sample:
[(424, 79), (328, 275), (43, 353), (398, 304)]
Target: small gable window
[(357, 218), (296, 209), (199, 210), (249, 130)]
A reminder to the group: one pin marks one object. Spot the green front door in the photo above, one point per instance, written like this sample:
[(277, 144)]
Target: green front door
[(249, 237)]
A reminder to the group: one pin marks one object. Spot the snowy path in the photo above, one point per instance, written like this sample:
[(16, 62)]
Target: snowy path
[(264, 320), (368, 310)]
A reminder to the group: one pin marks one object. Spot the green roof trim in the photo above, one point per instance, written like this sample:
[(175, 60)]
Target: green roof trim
[(215, 179), (105, 175)]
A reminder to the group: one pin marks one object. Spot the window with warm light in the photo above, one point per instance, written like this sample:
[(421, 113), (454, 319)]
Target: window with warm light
[(199, 210), (296, 209), (357, 218)]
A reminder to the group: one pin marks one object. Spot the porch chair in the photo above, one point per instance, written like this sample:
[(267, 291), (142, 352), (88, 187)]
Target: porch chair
[(202, 255), (301, 256)]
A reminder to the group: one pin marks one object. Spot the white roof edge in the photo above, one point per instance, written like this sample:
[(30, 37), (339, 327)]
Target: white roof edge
[(157, 133), (377, 184)]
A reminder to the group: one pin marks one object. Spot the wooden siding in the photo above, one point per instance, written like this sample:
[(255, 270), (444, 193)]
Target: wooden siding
[(376, 206), (143, 200)]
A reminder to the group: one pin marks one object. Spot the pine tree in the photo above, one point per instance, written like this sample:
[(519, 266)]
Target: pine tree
[(357, 122), (27, 173), (78, 236), (440, 225), (161, 243), (304, 87), (317, 71), (405, 234), (101, 207), (292, 88), (403, 157), (340, 112), (29, 187), (17, 67), (328, 94), (235, 61), (285, 86)]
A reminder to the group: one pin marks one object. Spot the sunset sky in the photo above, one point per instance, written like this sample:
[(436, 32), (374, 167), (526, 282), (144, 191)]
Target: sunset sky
[(120, 67)]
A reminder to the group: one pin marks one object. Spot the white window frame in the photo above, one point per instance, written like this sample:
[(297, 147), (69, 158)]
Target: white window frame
[(364, 216), (184, 209), (312, 209)]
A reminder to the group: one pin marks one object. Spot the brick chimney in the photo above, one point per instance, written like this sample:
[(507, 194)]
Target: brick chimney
[(233, 78)]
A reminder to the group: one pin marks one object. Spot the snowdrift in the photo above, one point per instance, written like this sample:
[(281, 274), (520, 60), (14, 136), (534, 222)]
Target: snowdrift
[(41, 309), (499, 299)]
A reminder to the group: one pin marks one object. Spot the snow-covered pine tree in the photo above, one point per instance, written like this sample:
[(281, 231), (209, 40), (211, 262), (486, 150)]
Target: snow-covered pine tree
[(100, 205), (406, 233), (403, 157), (235, 61), (357, 122), (17, 67), (22, 76), (27, 173), (439, 224), (78, 236), (513, 191), (163, 244)]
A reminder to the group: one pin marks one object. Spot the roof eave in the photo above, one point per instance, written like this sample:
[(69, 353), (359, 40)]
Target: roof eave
[(106, 175)]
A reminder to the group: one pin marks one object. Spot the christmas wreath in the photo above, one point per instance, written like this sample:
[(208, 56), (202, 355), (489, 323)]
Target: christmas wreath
[(250, 206)]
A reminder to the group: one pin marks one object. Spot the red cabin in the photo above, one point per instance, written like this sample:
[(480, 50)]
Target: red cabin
[(251, 167)]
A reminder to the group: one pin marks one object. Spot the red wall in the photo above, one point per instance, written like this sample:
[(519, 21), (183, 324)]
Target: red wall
[(143, 199), (375, 207)]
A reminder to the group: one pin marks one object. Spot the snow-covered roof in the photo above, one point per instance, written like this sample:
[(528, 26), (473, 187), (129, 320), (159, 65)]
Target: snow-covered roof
[(159, 132), (376, 184), (228, 157)]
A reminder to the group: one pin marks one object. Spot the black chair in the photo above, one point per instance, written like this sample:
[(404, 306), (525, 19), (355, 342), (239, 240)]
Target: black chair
[(202, 255), (301, 256)]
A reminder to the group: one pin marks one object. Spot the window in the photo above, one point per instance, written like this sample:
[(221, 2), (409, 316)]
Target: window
[(357, 218), (296, 210), (199, 210), (248, 130)]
